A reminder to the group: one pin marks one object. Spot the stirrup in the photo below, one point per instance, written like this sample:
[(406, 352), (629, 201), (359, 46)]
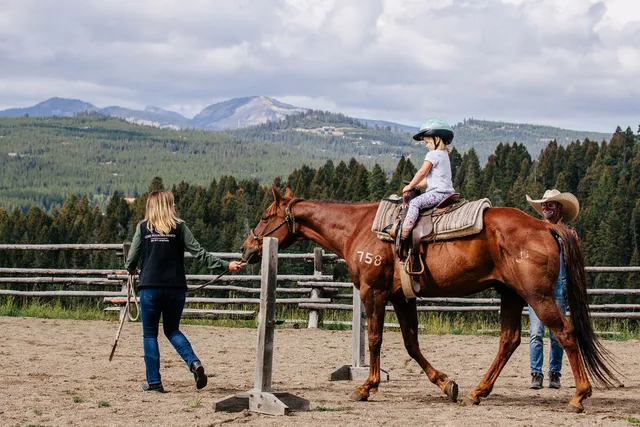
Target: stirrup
[(408, 265)]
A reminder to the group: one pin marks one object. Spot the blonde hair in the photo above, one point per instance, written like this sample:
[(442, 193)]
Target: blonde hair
[(441, 146), (160, 214)]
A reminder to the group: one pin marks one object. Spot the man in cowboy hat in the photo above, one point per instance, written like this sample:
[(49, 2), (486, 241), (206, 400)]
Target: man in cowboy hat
[(555, 207)]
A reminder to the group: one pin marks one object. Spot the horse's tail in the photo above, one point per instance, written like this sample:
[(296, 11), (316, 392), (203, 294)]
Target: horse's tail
[(597, 359)]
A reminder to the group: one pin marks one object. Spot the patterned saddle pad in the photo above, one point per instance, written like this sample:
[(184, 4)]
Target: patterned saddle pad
[(463, 221)]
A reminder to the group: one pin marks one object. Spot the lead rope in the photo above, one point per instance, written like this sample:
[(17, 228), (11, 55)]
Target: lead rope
[(214, 280), (130, 293)]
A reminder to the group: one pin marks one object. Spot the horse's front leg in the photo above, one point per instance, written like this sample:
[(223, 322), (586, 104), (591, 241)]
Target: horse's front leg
[(407, 313), (374, 301)]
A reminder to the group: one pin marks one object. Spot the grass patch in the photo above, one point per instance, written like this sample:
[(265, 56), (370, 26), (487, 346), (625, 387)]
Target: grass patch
[(429, 322), (196, 402), (78, 399), (633, 420), (103, 404), (51, 309), (37, 411)]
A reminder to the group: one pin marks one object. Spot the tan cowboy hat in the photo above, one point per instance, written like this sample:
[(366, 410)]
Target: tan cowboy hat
[(570, 205)]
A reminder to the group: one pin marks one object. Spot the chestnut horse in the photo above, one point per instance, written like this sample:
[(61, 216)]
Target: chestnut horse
[(515, 253)]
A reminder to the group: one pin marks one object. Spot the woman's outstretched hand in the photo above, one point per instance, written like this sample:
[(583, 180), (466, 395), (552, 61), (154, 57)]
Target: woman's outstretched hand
[(235, 266)]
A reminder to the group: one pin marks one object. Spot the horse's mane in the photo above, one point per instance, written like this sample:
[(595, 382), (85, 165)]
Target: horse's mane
[(339, 202)]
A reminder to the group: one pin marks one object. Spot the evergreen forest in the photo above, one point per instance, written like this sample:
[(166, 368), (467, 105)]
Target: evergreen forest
[(604, 176)]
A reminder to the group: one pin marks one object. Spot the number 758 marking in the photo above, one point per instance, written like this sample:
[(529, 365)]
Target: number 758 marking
[(369, 258)]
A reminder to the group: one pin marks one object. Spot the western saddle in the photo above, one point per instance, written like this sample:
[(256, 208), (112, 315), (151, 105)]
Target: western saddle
[(411, 250)]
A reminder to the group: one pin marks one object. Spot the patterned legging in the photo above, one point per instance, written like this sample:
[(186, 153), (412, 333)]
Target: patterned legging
[(426, 200)]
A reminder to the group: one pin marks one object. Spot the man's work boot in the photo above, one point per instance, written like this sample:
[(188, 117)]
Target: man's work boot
[(198, 374), (536, 381), (554, 380)]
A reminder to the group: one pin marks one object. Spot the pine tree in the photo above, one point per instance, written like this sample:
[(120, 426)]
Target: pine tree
[(156, 184), (358, 186), (377, 184), (340, 179), (489, 176), (395, 184), (472, 187), (456, 161), (321, 183)]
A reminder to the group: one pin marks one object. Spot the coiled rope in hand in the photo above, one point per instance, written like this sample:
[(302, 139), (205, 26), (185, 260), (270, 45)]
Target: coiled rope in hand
[(128, 312)]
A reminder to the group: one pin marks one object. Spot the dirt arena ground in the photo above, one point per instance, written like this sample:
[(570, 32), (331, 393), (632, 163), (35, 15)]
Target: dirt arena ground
[(56, 373)]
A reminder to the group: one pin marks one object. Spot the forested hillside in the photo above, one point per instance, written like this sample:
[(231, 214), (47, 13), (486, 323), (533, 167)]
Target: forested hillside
[(605, 177), (44, 160), (484, 135)]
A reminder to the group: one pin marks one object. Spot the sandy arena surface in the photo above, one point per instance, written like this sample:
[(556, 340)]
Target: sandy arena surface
[(57, 373)]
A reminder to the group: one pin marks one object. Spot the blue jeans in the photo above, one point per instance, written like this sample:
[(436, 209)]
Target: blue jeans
[(536, 330), (168, 302)]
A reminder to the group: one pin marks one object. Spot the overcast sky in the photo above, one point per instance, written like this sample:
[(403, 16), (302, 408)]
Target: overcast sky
[(568, 63)]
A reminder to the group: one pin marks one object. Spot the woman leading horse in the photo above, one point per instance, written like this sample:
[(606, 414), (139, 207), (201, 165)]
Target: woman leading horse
[(515, 253)]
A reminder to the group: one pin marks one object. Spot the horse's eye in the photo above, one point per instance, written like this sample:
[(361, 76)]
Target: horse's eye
[(265, 218)]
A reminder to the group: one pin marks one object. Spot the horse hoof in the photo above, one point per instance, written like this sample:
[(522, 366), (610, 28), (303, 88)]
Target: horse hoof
[(356, 396), (451, 390), (468, 401), (574, 409)]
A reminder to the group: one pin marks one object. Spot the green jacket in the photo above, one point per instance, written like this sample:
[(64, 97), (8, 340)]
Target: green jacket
[(191, 245)]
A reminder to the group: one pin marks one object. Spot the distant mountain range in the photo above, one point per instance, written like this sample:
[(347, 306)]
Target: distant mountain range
[(239, 113), (231, 114)]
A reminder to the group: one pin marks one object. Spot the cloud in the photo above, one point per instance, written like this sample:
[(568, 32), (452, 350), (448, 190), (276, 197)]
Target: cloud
[(572, 63)]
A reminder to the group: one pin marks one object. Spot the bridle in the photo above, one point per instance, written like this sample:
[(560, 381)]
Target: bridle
[(289, 220)]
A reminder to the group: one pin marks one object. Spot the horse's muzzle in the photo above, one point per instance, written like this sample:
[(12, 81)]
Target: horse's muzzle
[(251, 255)]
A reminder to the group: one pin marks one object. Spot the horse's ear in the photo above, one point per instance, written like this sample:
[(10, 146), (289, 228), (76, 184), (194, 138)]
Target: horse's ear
[(288, 193), (276, 194)]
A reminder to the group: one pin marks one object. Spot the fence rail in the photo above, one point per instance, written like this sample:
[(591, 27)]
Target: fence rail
[(314, 293)]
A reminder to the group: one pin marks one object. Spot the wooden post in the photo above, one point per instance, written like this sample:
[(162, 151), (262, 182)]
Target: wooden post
[(261, 398), (316, 293), (125, 253), (358, 370), (266, 316)]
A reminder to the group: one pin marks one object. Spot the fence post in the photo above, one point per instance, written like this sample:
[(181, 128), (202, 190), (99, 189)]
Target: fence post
[(358, 370), (266, 316), (125, 253), (261, 398), (316, 293)]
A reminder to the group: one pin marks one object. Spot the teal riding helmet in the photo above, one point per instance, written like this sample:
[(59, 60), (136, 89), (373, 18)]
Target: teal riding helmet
[(435, 127)]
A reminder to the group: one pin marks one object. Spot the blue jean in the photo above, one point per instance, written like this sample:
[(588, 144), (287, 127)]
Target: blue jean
[(168, 302), (536, 330)]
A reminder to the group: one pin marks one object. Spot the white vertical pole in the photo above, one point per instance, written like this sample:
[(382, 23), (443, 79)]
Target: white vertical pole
[(314, 315), (357, 333)]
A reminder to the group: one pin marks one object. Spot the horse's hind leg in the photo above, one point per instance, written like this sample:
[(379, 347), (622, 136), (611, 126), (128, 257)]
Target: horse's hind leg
[(511, 306), (408, 319), (550, 315)]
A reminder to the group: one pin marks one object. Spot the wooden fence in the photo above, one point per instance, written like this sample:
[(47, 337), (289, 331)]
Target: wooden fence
[(315, 293)]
